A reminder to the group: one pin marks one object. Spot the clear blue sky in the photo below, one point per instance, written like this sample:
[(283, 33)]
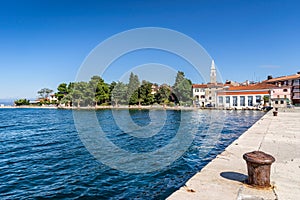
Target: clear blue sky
[(43, 43)]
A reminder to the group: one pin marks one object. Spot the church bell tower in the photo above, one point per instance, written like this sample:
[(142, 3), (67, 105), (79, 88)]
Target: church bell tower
[(213, 74)]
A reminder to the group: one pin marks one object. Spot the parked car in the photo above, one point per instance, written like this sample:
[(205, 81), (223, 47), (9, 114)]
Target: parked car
[(267, 108)]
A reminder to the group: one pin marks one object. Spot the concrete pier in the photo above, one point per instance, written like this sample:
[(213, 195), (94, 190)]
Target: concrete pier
[(224, 177)]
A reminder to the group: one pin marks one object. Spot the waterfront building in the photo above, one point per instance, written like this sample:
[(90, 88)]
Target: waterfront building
[(244, 97), (281, 96), (53, 98), (199, 94), (292, 81)]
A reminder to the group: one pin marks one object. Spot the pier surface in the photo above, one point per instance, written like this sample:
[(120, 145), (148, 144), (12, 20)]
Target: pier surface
[(224, 177)]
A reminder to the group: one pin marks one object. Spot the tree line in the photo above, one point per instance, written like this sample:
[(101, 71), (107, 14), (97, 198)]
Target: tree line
[(96, 92)]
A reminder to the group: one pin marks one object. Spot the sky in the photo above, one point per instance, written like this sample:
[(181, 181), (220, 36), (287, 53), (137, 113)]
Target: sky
[(44, 43)]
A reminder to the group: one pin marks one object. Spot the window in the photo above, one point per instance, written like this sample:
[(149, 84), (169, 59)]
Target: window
[(250, 100), (227, 99), (278, 96), (276, 102), (234, 99), (242, 100), (202, 96), (209, 98), (285, 96), (220, 100), (258, 99), (196, 90), (281, 102), (284, 90)]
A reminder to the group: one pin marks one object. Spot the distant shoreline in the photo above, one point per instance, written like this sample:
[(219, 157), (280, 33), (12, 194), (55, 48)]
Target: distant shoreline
[(156, 107), (17, 107)]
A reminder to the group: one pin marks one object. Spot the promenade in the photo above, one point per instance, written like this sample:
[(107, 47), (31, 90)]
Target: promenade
[(224, 177)]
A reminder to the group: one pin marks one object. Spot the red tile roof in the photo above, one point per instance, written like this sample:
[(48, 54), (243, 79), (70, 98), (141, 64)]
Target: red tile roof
[(241, 92), (199, 86), (258, 86), (208, 85), (284, 78)]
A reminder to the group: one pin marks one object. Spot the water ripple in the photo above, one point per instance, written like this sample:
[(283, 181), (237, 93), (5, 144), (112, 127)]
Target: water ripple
[(42, 157)]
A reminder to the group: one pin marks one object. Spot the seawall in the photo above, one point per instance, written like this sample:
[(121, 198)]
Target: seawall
[(224, 177)]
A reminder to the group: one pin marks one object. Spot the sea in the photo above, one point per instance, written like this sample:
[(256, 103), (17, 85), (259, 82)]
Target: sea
[(55, 154)]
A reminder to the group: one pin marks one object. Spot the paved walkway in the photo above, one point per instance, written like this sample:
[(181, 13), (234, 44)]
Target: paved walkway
[(223, 177)]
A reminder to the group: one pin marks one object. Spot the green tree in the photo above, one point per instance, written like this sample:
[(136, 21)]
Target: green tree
[(111, 88), (21, 102), (44, 93), (65, 92), (62, 91), (82, 94), (119, 93), (145, 97), (163, 94), (266, 99), (67, 100), (179, 78), (103, 93), (182, 88), (100, 89), (133, 86)]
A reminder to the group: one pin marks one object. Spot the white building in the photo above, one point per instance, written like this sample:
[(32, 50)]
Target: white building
[(52, 98), (243, 97), (199, 94)]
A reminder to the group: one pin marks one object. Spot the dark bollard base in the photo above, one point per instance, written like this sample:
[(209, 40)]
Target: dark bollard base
[(259, 167), (258, 175)]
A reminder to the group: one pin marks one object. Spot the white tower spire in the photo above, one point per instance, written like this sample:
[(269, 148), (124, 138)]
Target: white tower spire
[(213, 74)]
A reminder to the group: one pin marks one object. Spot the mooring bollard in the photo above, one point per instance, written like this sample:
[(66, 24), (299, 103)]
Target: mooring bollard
[(275, 113), (259, 167)]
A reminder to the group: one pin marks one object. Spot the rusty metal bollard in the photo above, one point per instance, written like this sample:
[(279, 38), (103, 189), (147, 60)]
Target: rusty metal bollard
[(275, 113), (259, 167)]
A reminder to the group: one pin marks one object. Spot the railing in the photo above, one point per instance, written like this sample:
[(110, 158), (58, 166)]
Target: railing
[(296, 83), (296, 97), (296, 90)]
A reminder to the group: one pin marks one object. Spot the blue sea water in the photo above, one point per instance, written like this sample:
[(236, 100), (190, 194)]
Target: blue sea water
[(43, 157)]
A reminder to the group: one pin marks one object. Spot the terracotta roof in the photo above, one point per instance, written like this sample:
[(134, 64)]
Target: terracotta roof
[(208, 85), (284, 78), (241, 92), (258, 86), (199, 86)]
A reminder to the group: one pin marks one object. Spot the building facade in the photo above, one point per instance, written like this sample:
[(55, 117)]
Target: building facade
[(292, 81), (244, 97), (281, 96), (199, 97)]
